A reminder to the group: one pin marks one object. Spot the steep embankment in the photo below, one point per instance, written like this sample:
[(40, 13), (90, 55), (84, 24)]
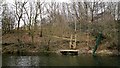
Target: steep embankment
[(23, 41), (53, 39)]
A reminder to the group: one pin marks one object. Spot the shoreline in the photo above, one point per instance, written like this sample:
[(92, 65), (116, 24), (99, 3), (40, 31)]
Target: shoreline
[(99, 53)]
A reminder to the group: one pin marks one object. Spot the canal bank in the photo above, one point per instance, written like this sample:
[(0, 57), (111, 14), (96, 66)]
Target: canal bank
[(80, 51)]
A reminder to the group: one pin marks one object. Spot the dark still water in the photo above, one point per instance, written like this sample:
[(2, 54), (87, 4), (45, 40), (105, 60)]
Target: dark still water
[(60, 60)]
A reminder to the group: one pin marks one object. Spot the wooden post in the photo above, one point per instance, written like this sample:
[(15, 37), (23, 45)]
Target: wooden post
[(75, 36), (70, 42), (74, 47)]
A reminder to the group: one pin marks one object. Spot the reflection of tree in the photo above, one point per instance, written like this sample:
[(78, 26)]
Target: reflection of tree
[(22, 60), (97, 60), (118, 61)]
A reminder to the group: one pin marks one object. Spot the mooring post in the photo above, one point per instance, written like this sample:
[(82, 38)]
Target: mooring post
[(70, 42), (75, 35), (75, 42)]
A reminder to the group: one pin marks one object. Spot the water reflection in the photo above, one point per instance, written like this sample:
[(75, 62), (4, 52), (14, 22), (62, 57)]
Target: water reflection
[(97, 60), (21, 61), (0, 60), (60, 60)]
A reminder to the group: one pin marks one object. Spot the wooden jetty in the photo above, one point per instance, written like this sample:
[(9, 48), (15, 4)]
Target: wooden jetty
[(69, 52), (72, 50)]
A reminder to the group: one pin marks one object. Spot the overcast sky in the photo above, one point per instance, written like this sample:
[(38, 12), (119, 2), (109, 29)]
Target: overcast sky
[(10, 1)]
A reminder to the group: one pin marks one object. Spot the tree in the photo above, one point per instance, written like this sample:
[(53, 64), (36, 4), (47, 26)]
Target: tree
[(40, 16), (19, 6), (8, 20), (118, 21)]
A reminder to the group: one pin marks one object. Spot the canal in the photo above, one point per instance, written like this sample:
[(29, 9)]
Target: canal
[(60, 60)]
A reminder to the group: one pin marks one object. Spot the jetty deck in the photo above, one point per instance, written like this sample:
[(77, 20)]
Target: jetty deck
[(69, 52)]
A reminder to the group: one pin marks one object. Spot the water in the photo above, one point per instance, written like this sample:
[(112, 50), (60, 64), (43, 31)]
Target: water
[(0, 60), (60, 60)]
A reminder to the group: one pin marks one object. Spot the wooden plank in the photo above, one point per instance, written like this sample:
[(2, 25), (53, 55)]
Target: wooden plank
[(69, 50)]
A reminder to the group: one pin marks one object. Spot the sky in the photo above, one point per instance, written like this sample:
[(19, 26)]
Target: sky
[(10, 1)]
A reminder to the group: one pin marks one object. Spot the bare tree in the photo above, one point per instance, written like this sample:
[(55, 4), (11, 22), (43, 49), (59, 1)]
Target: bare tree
[(40, 15), (8, 20), (19, 6), (36, 15), (118, 21)]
